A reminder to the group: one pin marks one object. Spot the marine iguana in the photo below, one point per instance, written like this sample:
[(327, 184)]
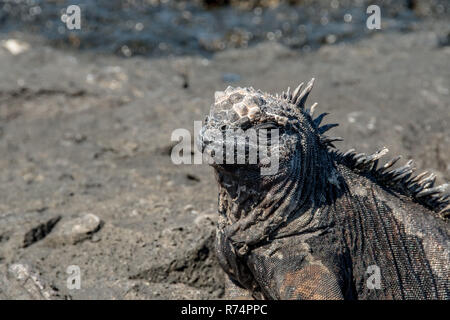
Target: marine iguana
[(326, 222)]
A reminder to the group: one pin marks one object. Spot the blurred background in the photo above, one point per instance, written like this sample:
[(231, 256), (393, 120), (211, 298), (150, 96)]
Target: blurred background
[(177, 27), (86, 118)]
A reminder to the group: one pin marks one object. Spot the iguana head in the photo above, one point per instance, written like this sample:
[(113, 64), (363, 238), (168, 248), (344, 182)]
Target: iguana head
[(290, 168), (273, 130)]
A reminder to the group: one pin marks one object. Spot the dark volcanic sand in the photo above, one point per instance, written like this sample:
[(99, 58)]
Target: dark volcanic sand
[(83, 133)]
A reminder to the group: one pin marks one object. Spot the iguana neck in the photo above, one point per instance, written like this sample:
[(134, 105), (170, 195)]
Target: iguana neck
[(252, 211)]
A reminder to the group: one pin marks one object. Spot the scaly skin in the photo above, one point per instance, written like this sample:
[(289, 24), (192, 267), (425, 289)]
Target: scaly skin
[(316, 227)]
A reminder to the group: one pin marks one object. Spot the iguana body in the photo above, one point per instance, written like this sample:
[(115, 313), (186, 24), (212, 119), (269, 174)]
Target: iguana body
[(327, 223)]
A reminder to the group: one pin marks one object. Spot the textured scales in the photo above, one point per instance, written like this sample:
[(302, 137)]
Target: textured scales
[(315, 228)]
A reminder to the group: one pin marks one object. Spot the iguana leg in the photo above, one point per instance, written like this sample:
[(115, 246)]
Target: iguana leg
[(290, 269), (233, 291), (312, 282)]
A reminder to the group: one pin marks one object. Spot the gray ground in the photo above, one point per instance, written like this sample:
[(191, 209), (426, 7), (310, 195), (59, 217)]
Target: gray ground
[(86, 177)]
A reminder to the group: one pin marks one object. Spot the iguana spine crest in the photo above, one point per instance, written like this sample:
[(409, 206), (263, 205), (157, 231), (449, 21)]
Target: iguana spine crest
[(403, 179)]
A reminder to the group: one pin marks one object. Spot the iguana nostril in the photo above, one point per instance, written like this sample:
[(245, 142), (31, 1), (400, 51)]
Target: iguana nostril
[(219, 116)]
